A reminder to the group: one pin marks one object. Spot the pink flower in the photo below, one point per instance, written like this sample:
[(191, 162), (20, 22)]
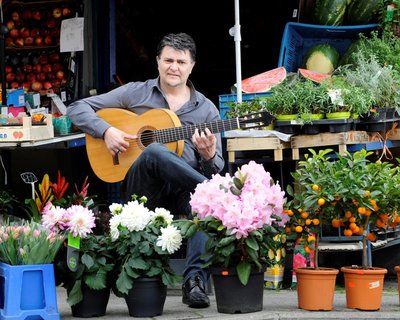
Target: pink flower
[(81, 221), (241, 209)]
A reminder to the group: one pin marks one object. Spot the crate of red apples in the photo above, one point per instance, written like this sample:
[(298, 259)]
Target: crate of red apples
[(33, 60)]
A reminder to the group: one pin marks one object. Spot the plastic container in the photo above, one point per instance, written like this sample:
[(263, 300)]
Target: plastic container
[(225, 99), (298, 38)]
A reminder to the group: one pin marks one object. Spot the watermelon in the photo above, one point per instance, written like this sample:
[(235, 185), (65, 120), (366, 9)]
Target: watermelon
[(364, 11), (312, 75), (322, 58), (329, 12), (263, 82)]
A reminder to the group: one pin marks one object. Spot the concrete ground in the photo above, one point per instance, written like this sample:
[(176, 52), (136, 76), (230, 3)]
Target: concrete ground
[(278, 305)]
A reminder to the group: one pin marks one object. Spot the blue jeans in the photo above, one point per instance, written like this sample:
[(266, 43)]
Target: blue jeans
[(167, 181)]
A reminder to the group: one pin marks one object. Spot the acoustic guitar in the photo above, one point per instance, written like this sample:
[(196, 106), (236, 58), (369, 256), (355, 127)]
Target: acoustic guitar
[(156, 125)]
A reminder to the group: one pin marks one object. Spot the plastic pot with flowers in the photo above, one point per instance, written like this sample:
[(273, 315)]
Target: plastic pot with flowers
[(349, 192), (83, 266), (241, 214), (143, 241)]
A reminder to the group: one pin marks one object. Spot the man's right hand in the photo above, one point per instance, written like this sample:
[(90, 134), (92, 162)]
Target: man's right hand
[(117, 141)]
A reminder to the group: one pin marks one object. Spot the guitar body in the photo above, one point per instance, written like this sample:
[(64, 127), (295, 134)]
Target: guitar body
[(113, 169)]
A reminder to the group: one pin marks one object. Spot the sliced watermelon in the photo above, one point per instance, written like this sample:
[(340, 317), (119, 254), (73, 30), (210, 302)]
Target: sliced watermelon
[(263, 82), (313, 76)]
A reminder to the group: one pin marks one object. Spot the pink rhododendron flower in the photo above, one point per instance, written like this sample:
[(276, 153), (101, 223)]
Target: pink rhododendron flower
[(241, 209)]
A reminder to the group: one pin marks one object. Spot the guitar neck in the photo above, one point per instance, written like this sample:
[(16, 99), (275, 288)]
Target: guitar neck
[(186, 132)]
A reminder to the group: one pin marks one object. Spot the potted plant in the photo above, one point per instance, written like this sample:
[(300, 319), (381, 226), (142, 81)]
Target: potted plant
[(241, 214), (352, 193), (143, 241)]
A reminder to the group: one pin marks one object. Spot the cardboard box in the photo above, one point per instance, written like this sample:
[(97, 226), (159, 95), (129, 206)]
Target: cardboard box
[(16, 97)]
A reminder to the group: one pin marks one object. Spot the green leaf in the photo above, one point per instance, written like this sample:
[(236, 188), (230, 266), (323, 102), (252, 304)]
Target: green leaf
[(75, 295), (87, 260), (252, 243), (243, 270), (124, 283)]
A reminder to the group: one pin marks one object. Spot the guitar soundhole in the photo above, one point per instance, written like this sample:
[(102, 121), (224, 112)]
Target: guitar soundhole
[(146, 137)]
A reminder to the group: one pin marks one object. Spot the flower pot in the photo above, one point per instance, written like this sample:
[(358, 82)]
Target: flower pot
[(93, 304), (364, 287), (286, 117), (310, 281), (338, 115), (232, 296), (146, 298), (397, 269)]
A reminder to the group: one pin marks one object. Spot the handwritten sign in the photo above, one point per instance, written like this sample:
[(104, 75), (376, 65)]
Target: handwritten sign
[(71, 37)]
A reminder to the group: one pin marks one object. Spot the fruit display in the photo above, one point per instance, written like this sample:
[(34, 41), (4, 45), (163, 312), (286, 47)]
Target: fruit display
[(322, 58), (32, 60)]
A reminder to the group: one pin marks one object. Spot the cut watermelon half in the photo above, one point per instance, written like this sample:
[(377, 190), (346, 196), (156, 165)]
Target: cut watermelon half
[(312, 75), (263, 82)]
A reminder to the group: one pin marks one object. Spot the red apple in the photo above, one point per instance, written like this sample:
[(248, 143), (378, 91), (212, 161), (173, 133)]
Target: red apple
[(54, 57), (26, 14), (20, 77), (41, 76), (19, 42), (47, 85), (60, 74), (56, 83), (15, 15), (14, 85), (24, 32), (10, 25), (48, 40), (36, 86), (57, 67), (9, 41), (43, 59), (66, 12), (47, 68), (57, 13), (27, 68), (29, 41), (26, 85), (36, 15), (10, 77), (31, 77), (35, 32), (51, 23), (8, 69), (51, 76), (39, 41), (14, 33), (55, 32), (37, 68)]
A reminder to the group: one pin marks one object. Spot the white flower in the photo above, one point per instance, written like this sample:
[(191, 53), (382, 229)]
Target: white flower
[(116, 208), (114, 223), (135, 216), (170, 239), (164, 213)]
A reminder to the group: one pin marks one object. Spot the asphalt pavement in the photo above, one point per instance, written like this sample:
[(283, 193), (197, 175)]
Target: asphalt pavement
[(278, 305)]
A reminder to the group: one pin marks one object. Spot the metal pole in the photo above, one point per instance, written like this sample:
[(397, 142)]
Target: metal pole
[(235, 33)]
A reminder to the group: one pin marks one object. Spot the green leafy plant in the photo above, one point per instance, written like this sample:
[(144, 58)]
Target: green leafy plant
[(7, 201), (143, 241), (238, 109)]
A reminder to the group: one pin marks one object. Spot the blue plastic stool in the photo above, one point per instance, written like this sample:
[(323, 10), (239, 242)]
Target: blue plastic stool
[(28, 291)]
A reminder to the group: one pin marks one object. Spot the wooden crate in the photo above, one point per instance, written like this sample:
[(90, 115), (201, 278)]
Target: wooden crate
[(27, 132)]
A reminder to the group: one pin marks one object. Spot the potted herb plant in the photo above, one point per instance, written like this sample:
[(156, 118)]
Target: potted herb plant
[(241, 214)]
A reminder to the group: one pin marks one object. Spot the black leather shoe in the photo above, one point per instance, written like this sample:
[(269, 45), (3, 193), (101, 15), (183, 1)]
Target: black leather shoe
[(194, 293)]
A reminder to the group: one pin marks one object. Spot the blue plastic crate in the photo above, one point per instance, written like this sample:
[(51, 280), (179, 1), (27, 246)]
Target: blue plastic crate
[(298, 38), (225, 99)]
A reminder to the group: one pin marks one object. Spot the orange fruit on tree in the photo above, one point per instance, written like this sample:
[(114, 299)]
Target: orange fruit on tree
[(335, 223), (315, 221), (315, 187), (348, 214), (298, 229), (321, 201), (371, 237), (304, 214), (347, 232)]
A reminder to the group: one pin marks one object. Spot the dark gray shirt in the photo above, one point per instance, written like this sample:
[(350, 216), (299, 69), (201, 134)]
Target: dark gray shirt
[(140, 97)]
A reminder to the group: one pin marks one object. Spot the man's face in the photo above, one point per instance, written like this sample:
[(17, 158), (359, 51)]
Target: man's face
[(174, 66)]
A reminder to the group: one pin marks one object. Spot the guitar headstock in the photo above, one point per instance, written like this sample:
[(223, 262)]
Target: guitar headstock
[(255, 120)]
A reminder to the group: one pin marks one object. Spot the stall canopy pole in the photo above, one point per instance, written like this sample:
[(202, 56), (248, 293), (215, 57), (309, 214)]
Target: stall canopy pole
[(235, 33)]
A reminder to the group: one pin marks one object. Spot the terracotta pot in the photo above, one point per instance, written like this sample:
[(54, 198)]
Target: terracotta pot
[(364, 287), (397, 269), (310, 281)]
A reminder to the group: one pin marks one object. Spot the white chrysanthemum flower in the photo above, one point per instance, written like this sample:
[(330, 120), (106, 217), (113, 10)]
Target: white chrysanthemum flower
[(170, 239), (80, 221), (114, 223), (116, 208), (162, 212), (135, 216), (53, 218)]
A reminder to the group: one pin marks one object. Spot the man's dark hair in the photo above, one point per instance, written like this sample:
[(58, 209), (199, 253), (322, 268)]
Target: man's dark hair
[(178, 41)]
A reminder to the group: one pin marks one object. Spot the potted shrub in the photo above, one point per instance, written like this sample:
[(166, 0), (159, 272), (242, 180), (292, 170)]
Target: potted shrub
[(352, 193), (241, 214)]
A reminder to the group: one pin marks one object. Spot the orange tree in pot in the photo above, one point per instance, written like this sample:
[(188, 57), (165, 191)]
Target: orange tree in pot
[(351, 193)]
